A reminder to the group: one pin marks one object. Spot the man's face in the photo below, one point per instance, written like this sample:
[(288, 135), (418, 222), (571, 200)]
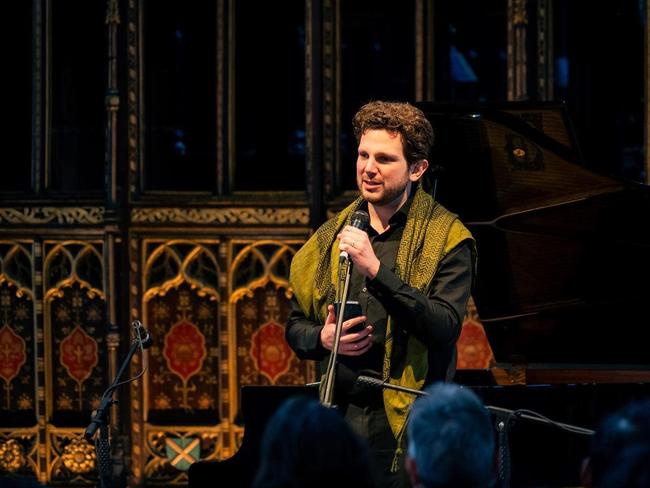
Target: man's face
[(383, 174)]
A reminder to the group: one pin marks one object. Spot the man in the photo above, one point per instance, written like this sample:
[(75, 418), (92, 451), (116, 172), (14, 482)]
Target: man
[(411, 274), (450, 440)]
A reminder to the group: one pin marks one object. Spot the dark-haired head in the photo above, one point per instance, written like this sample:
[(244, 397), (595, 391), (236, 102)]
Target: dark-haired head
[(620, 449), (400, 118), (306, 444)]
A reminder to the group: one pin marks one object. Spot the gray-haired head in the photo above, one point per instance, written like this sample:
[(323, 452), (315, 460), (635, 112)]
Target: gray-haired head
[(451, 439)]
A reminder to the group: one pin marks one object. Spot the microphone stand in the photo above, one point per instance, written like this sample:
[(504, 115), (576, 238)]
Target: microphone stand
[(504, 419), (327, 391), (100, 416)]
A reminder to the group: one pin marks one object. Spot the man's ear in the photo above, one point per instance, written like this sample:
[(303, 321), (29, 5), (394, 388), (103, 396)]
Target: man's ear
[(411, 470), (417, 169)]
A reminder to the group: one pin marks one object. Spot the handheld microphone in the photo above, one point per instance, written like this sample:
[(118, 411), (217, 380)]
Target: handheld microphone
[(360, 219), (142, 334)]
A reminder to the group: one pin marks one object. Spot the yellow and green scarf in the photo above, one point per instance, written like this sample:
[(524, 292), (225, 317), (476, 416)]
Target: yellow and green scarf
[(429, 234)]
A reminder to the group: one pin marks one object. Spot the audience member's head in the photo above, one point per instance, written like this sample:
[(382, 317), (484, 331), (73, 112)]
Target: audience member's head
[(450, 439), (306, 444), (620, 449)]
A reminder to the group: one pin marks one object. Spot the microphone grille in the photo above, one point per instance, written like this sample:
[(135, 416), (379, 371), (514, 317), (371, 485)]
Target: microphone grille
[(360, 219)]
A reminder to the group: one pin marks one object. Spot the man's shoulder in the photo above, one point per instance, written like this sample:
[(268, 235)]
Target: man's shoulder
[(442, 210), (457, 232), (457, 235), (316, 243)]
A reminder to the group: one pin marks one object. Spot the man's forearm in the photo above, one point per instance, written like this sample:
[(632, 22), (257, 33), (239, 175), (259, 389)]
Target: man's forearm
[(434, 319)]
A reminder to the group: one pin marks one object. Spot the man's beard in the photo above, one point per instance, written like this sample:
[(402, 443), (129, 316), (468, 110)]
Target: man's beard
[(385, 197)]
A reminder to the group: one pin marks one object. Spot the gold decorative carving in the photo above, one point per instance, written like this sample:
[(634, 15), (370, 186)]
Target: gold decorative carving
[(12, 457), (247, 215), (46, 215), (79, 456), (18, 451), (71, 461)]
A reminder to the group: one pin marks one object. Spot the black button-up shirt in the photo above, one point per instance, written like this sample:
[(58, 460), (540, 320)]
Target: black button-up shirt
[(385, 246)]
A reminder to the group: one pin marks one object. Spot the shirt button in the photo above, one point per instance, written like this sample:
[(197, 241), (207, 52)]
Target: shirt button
[(364, 289)]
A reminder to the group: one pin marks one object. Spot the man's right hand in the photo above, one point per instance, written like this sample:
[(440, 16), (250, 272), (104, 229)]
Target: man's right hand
[(351, 343)]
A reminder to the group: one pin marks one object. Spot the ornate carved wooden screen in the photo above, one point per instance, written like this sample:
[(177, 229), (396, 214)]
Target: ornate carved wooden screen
[(181, 300), (216, 308), (53, 355), (75, 352), (18, 352), (259, 309)]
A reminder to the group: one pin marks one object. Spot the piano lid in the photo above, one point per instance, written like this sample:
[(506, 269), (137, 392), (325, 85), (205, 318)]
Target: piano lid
[(564, 252)]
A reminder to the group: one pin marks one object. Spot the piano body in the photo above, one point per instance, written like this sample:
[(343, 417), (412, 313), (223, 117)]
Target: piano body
[(563, 277), (564, 256)]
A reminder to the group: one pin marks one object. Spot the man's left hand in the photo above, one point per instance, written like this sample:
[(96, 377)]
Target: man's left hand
[(357, 244)]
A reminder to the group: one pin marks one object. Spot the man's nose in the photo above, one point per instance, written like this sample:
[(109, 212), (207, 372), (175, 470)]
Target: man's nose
[(371, 166)]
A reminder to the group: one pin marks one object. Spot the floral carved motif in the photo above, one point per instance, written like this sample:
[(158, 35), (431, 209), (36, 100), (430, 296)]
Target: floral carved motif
[(270, 351), (12, 353), (184, 350), (79, 354), (249, 216), (46, 215)]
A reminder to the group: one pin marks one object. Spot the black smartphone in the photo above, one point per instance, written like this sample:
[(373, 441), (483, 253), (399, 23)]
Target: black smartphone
[(352, 309)]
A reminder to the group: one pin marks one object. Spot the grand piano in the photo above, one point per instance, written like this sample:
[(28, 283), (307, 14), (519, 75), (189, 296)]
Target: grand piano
[(564, 253), (563, 275)]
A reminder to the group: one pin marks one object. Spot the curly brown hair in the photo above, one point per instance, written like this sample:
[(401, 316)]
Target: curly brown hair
[(409, 121)]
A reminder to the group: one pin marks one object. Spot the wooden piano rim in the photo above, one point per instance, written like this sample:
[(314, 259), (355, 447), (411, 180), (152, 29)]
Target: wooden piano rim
[(559, 374)]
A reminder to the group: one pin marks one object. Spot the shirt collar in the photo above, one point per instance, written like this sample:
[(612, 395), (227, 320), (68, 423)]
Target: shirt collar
[(399, 217)]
